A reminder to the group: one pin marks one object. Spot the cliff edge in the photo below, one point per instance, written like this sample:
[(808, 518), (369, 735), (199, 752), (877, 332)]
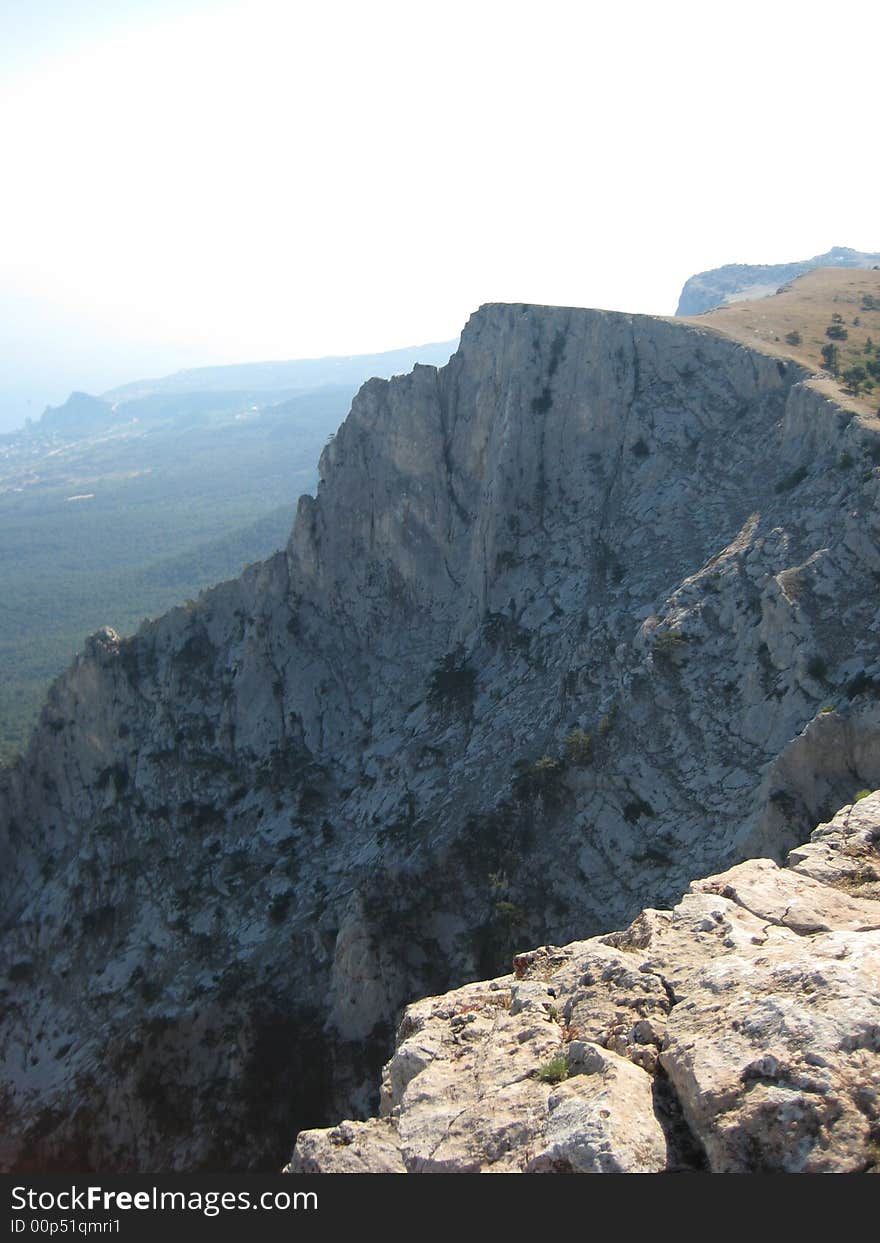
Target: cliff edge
[(738, 1032)]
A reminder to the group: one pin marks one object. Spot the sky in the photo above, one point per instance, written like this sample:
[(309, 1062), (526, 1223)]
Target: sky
[(188, 182)]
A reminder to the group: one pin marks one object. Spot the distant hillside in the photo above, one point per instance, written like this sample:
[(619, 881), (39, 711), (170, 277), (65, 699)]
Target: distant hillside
[(289, 377), (828, 320), (112, 516), (116, 508), (744, 281), (81, 415)]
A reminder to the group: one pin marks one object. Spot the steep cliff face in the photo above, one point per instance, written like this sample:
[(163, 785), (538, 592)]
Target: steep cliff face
[(737, 1033), (556, 635)]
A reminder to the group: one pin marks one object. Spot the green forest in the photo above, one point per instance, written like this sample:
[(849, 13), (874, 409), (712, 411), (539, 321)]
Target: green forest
[(167, 497)]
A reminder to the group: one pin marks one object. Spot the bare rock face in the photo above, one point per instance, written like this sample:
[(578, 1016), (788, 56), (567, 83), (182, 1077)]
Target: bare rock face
[(737, 1033), (583, 614)]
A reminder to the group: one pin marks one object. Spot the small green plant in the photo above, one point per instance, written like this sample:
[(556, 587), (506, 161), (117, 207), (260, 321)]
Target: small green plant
[(787, 482), (793, 338), (453, 682), (836, 332), (606, 722), (553, 1071), (578, 746), (860, 794), (543, 778), (510, 912), (846, 461), (825, 709), (817, 667), (668, 642)]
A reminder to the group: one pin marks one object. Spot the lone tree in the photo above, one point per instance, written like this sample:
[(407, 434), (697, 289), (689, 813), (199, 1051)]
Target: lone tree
[(854, 378), (831, 358)]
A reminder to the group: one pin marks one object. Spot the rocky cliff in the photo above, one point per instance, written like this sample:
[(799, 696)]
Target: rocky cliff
[(737, 1033), (583, 614), (738, 281)]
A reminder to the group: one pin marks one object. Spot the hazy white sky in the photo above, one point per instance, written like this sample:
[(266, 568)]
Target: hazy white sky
[(194, 182)]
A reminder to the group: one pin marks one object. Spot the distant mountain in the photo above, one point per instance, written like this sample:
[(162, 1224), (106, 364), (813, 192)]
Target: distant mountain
[(737, 282), (115, 508), (118, 512), (81, 415), (292, 376), (212, 391)]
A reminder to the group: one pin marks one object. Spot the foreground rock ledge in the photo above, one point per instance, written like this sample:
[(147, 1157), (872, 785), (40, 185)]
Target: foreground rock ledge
[(738, 1032)]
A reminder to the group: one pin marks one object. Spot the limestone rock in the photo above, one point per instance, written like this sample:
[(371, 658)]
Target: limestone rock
[(843, 854), (601, 1120), (739, 1032), (774, 1056), (795, 902), (350, 1148)]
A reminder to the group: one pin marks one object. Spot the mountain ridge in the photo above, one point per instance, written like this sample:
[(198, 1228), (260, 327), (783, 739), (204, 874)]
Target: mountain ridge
[(743, 281), (288, 375)]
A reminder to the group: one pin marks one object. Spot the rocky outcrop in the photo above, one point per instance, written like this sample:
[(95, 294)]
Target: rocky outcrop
[(737, 1033), (566, 624), (81, 415), (736, 282)]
